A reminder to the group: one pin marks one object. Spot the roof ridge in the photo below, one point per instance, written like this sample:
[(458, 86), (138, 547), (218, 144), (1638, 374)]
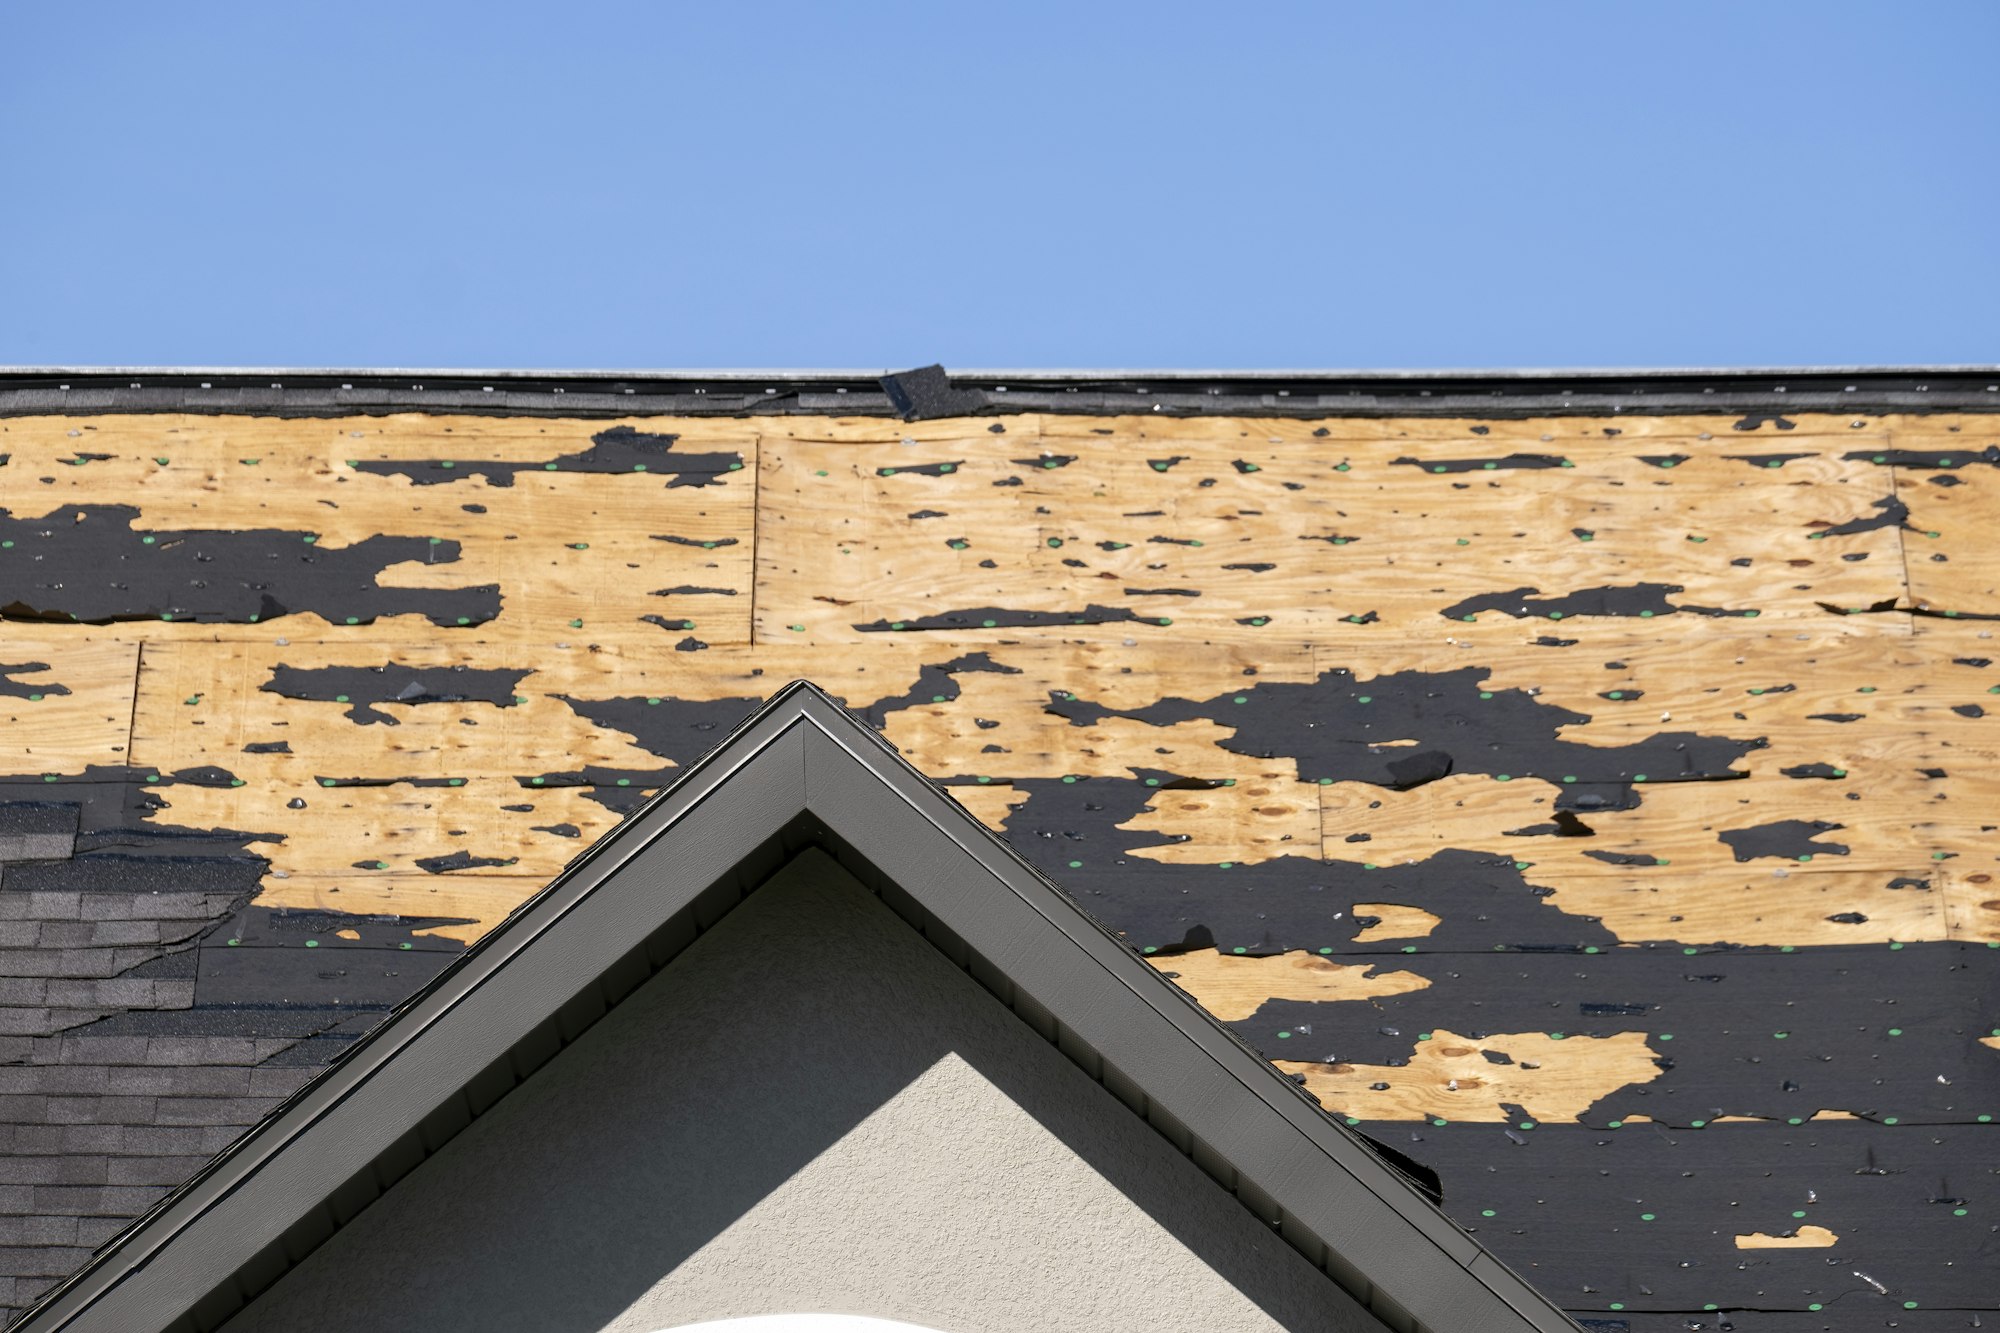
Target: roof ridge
[(933, 391)]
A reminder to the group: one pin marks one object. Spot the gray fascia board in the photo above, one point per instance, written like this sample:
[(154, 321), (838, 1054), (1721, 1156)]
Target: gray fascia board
[(800, 768)]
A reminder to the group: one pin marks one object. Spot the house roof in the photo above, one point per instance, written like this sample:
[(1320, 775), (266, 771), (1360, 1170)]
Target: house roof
[(1285, 677), (800, 772)]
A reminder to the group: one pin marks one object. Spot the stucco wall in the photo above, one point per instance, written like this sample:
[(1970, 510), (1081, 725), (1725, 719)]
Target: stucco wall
[(810, 1110)]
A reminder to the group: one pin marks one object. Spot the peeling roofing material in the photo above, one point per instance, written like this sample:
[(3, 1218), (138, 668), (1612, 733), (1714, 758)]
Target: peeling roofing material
[(1581, 782), (798, 773)]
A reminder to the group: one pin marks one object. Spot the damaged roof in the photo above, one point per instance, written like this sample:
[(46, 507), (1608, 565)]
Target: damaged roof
[(1582, 782)]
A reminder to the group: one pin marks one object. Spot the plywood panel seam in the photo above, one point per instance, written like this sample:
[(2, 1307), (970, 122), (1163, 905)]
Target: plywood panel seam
[(132, 707), (1909, 599)]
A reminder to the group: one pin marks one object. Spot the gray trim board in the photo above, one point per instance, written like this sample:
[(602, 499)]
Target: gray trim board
[(800, 772)]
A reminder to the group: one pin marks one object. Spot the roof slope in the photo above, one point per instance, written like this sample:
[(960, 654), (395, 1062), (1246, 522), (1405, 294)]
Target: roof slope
[(304, 688), (800, 772)]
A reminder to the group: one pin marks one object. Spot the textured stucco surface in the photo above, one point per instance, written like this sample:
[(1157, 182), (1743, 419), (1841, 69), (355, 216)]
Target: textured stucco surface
[(810, 1110)]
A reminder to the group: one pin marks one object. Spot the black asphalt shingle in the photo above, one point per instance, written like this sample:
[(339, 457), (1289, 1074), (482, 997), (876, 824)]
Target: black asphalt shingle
[(123, 1068)]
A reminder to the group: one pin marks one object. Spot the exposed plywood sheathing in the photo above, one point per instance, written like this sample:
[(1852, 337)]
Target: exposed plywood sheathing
[(1805, 1238), (1234, 988), (1524, 786)]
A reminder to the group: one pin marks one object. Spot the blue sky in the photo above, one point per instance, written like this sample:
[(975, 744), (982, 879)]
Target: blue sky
[(1032, 185)]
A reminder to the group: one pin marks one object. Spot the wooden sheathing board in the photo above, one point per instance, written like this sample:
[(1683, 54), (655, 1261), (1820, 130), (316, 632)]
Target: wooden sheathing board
[(1228, 527), (1601, 811), (65, 700), (413, 525)]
